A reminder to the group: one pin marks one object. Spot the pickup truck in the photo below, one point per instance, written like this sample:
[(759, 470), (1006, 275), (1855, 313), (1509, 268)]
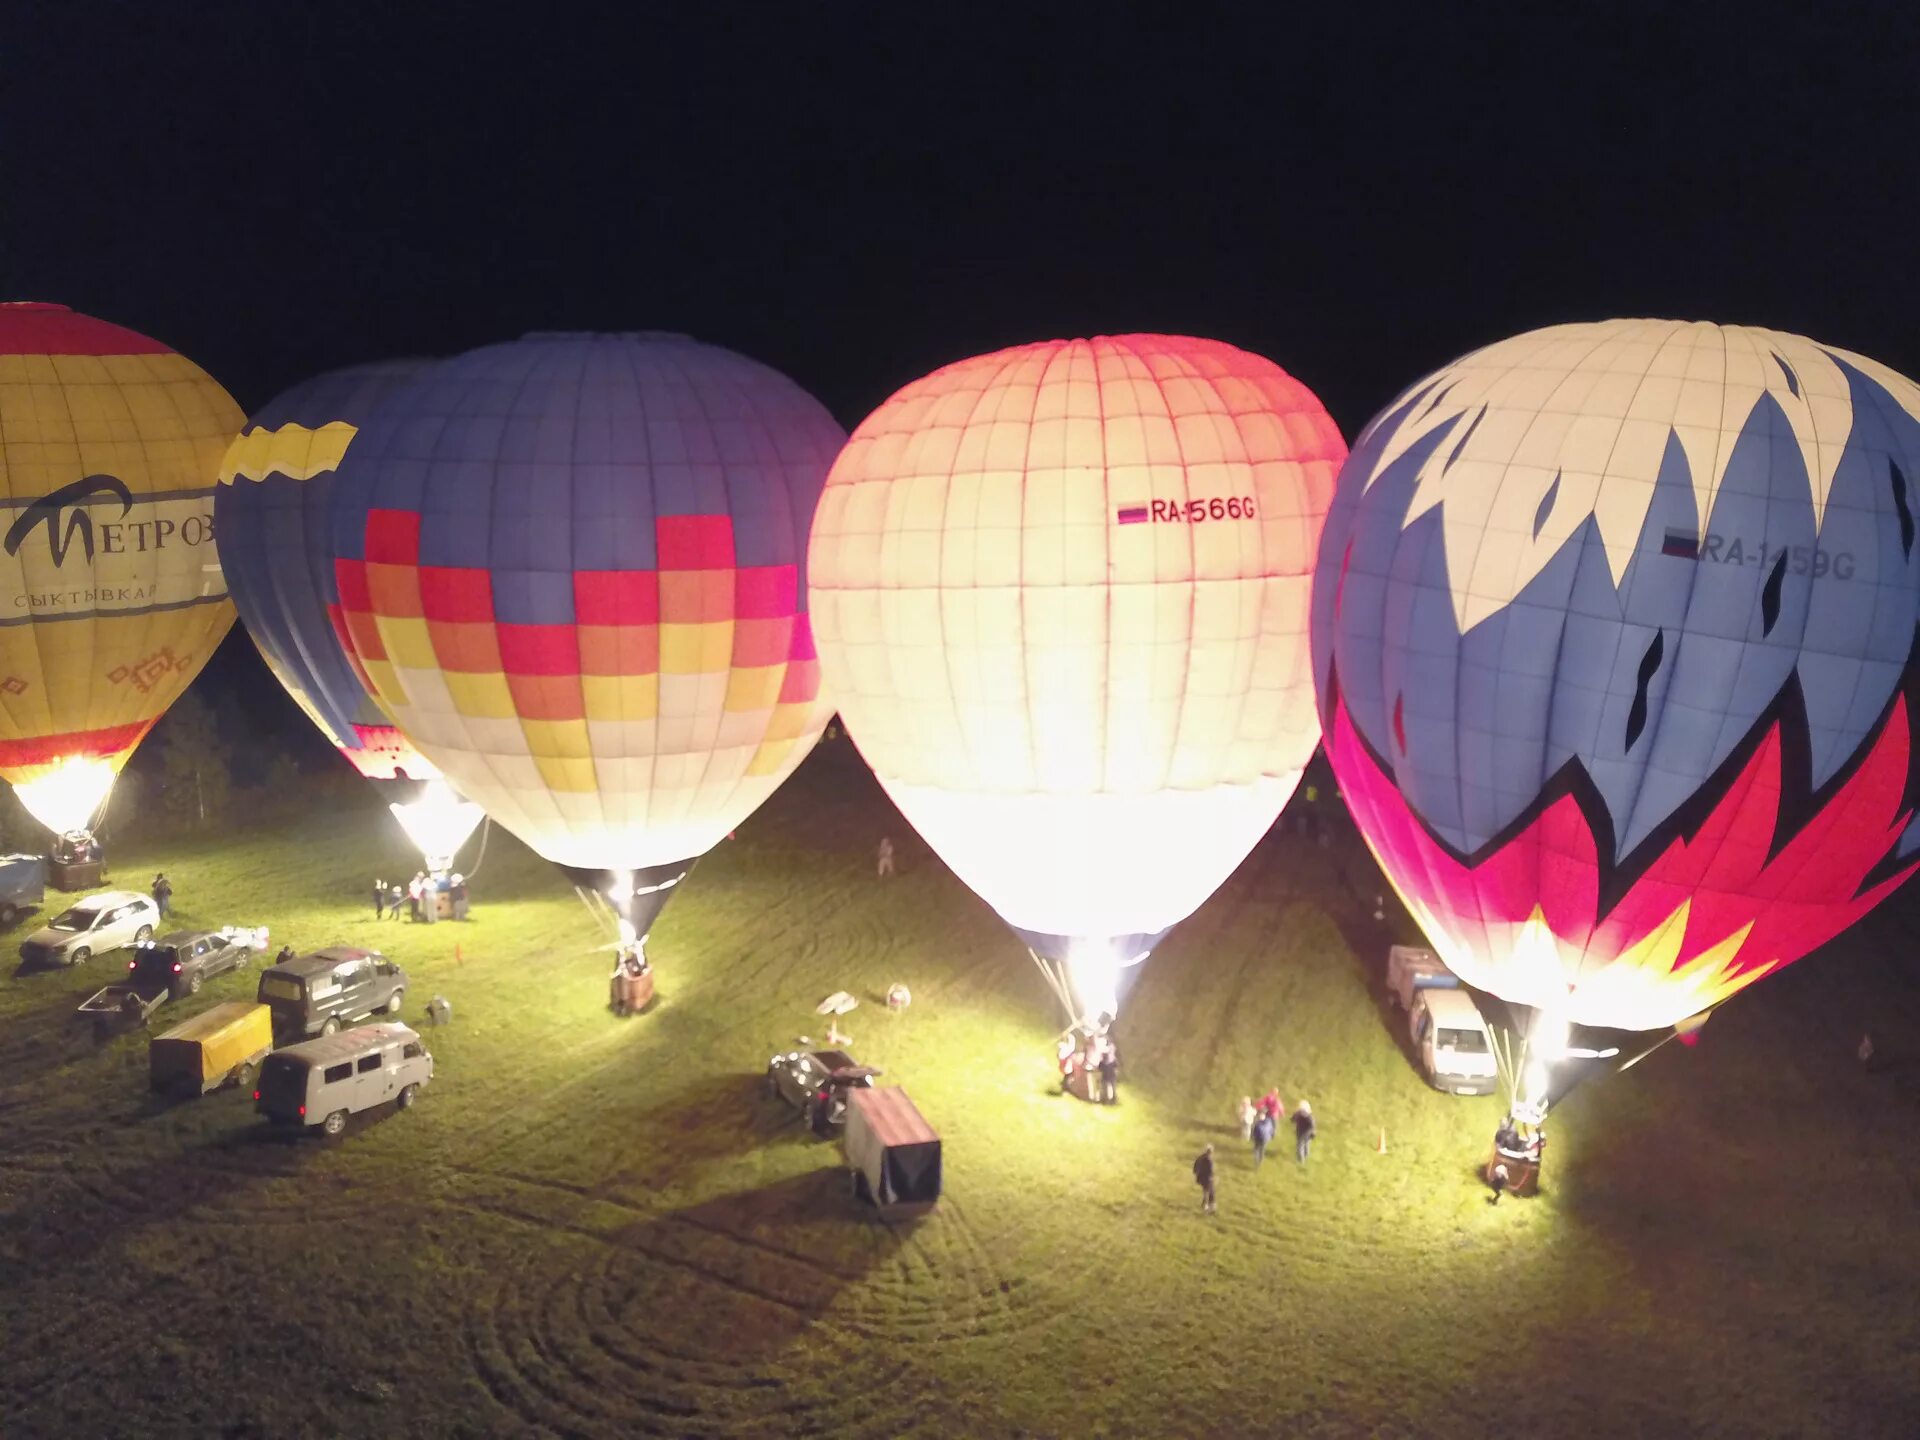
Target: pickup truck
[(1449, 1037)]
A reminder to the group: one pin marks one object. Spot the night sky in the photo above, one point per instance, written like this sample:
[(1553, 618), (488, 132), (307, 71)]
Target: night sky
[(857, 194)]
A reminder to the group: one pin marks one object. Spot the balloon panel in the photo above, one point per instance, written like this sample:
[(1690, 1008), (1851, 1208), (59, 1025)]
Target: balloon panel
[(111, 596), (572, 569), (1614, 630), (271, 513), (1061, 593)]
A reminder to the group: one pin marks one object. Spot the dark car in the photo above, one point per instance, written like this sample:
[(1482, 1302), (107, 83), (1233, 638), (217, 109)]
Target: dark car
[(23, 885), (317, 994), (816, 1082), (185, 960)]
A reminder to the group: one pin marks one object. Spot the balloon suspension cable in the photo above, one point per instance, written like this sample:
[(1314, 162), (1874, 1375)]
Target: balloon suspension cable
[(1055, 974), (486, 828), (98, 822)]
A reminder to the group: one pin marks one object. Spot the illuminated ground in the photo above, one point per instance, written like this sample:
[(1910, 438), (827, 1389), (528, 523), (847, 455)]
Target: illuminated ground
[(595, 1227)]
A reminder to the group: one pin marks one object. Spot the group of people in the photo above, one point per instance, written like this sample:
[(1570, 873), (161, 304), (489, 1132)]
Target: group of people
[(1089, 1055), (1259, 1122), (422, 894), (76, 847)]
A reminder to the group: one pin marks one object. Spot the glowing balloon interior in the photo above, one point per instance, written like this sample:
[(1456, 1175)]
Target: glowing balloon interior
[(109, 445), (1614, 634), (438, 822), (1061, 595), (571, 568)]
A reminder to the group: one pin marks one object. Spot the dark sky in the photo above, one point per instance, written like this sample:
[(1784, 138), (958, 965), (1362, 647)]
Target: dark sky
[(859, 193)]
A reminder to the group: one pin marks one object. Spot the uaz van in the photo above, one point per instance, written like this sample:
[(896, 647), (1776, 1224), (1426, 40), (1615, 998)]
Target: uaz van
[(321, 1082), (317, 994)]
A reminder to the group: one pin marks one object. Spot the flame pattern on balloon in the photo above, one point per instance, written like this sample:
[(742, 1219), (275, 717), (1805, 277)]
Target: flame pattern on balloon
[(1614, 632)]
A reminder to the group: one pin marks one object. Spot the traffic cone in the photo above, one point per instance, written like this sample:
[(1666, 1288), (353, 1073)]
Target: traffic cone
[(1381, 1148)]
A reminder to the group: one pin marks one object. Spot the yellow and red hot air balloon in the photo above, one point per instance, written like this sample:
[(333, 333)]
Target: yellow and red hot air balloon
[(571, 568), (111, 595), (1061, 595)]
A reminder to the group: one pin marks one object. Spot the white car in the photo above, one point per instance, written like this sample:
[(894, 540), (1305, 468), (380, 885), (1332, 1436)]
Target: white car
[(99, 923)]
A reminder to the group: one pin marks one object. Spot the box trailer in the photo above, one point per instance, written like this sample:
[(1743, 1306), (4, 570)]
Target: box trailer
[(225, 1043), (893, 1153)]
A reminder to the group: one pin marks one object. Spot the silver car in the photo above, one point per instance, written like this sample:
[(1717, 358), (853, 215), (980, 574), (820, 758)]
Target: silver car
[(107, 921)]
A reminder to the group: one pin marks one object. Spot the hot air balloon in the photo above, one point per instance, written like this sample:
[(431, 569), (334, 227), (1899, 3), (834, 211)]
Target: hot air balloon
[(1613, 633), (271, 515), (1061, 598), (111, 597), (571, 568)]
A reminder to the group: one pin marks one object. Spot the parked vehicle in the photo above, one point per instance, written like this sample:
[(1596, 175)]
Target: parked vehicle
[(816, 1084), (321, 1082), (893, 1152), (23, 885), (317, 994), (1449, 1037), (122, 1007), (97, 924), (1412, 968), (186, 959), (226, 1043), (1452, 1042)]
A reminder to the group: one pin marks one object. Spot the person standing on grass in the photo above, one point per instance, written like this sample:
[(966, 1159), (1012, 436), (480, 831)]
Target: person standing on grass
[(379, 899), (394, 896), (1248, 1110), (1109, 1072), (1271, 1107), (1302, 1131), (163, 894), (1498, 1180), (883, 866), (1262, 1137), (1203, 1173)]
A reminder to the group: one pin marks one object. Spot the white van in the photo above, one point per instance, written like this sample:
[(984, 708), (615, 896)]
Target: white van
[(321, 1082), (1452, 1042)]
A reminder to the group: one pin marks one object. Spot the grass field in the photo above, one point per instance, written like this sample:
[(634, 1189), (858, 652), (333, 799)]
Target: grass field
[(600, 1227)]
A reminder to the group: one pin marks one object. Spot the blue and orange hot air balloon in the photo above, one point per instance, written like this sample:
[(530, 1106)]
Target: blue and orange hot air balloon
[(1062, 594), (271, 512), (111, 596), (271, 516), (572, 569), (1614, 637)]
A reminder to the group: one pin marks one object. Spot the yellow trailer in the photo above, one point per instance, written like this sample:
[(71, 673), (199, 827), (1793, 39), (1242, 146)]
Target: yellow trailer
[(225, 1043)]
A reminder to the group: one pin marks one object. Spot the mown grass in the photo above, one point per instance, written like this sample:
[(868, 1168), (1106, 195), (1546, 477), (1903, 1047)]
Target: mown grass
[(598, 1227)]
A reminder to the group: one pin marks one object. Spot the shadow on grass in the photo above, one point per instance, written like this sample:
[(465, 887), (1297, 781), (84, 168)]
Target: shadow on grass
[(84, 1208), (45, 1037)]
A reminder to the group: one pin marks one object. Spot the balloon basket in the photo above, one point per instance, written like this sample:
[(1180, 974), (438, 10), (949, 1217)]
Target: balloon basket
[(630, 994), (1084, 1084), (73, 875), (1523, 1172)]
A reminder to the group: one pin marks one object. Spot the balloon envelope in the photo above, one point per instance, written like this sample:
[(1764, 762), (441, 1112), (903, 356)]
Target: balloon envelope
[(1614, 635), (271, 516), (111, 596), (1061, 596), (571, 568)]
